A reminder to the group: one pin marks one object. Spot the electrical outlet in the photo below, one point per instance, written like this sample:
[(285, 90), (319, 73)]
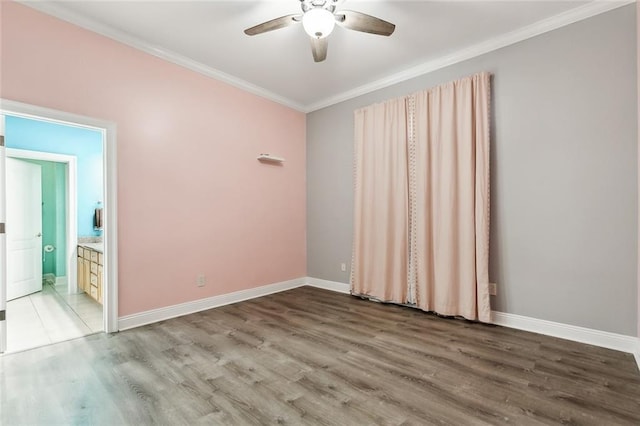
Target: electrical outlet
[(343, 267), (201, 280), (493, 289)]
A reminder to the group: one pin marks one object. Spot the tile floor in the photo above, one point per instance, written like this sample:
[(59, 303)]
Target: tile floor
[(50, 316)]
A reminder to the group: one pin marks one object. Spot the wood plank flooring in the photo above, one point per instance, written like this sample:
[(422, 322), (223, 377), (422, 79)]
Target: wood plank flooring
[(309, 356)]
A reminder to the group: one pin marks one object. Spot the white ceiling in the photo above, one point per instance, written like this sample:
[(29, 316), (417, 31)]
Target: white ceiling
[(208, 36)]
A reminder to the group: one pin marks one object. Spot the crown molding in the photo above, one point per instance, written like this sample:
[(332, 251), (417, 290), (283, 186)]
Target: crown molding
[(56, 10), (580, 13), (566, 18)]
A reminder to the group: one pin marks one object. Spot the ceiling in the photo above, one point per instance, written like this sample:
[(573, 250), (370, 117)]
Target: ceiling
[(207, 36)]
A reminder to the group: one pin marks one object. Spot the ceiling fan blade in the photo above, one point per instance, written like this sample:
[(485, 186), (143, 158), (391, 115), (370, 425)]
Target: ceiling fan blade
[(274, 24), (319, 48), (365, 23)]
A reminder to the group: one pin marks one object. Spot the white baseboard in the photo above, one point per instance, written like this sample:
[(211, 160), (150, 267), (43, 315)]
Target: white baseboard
[(329, 285), (57, 280), (161, 314), (605, 339)]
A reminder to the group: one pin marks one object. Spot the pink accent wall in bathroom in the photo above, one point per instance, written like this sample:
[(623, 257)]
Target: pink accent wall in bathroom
[(192, 198)]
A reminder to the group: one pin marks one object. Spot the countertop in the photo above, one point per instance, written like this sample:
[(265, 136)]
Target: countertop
[(93, 246)]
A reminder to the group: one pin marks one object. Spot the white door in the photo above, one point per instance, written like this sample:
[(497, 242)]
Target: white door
[(23, 228)]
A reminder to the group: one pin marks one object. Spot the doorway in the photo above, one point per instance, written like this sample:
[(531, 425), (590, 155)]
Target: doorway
[(59, 215), (107, 206), (44, 305)]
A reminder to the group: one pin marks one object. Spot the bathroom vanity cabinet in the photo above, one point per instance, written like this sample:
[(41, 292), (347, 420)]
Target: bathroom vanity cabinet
[(90, 270)]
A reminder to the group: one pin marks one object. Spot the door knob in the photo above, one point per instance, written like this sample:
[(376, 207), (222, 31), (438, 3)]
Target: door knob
[(39, 234)]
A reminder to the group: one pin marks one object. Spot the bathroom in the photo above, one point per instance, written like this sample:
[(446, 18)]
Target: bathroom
[(68, 163)]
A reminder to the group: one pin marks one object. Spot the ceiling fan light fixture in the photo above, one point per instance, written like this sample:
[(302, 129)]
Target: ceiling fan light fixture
[(318, 22)]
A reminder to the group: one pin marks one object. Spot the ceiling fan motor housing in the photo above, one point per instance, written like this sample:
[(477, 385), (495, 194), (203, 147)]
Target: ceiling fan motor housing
[(329, 5)]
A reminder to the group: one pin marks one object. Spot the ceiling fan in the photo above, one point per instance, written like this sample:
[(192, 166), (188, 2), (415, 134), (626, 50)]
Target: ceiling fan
[(318, 18)]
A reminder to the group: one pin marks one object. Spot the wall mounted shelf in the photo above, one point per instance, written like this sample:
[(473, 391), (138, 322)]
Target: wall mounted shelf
[(267, 158)]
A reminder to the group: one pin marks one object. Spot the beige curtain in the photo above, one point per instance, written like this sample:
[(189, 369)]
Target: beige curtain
[(444, 222), (381, 192)]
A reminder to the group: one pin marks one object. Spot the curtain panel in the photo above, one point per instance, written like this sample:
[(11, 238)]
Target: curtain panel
[(421, 225)]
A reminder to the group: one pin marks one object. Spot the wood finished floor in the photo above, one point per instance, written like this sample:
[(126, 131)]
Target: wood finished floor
[(309, 356)]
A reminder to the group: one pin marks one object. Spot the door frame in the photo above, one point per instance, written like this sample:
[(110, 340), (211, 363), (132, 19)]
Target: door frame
[(71, 205), (110, 182)]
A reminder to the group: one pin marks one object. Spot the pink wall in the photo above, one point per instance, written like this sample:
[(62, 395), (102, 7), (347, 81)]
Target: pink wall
[(192, 198)]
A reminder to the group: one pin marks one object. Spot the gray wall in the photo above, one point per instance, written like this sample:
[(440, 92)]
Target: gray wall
[(563, 180)]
